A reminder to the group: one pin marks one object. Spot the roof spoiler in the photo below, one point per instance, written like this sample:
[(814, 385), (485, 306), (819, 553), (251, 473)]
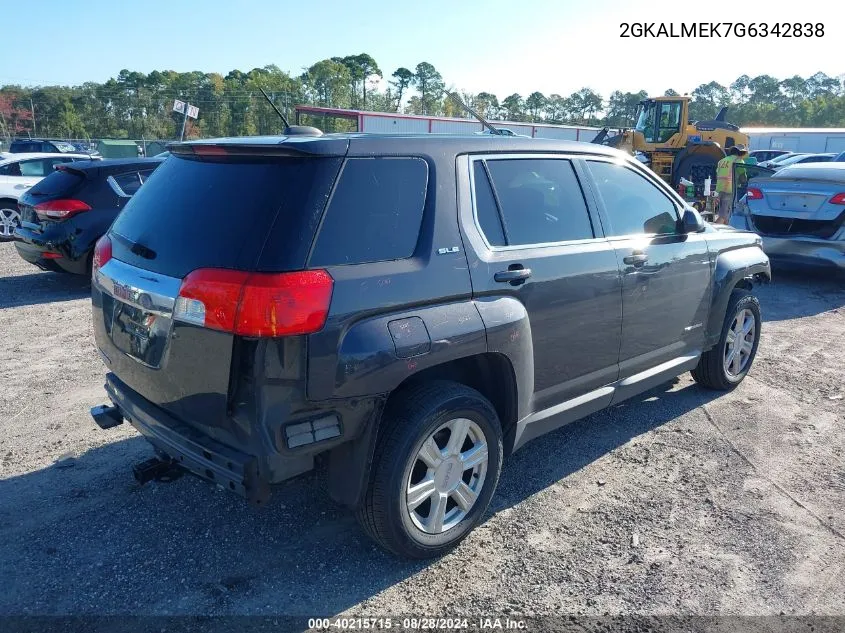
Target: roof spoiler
[(312, 148)]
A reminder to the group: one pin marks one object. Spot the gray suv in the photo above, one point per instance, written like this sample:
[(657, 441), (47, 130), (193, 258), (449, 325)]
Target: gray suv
[(408, 311)]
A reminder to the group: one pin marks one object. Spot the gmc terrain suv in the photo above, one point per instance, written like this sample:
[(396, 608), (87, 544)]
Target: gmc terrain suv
[(409, 310)]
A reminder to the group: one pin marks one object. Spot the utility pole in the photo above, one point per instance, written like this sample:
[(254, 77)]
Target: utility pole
[(32, 108)]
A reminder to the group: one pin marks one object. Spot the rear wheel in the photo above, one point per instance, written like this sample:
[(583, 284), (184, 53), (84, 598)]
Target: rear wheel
[(435, 470), (724, 366), (10, 219)]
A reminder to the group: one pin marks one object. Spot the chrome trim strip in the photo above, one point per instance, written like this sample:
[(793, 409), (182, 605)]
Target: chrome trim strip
[(566, 405), (144, 289)]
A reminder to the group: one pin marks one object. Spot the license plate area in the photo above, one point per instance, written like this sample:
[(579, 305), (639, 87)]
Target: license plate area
[(136, 332)]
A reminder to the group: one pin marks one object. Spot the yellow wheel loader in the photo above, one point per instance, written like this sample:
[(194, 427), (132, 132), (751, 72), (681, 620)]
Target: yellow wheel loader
[(672, 145)]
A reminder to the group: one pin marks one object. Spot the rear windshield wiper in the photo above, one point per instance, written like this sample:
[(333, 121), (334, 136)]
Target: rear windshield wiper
[(136, 248)]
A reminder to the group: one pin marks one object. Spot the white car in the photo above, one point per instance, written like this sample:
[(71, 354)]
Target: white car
[(18, 172)]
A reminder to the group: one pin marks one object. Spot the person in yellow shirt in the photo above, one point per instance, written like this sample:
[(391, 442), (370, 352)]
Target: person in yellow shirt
[(725, 184)]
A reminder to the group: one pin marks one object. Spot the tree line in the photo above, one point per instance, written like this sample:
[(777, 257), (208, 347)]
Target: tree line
[(138, 105)]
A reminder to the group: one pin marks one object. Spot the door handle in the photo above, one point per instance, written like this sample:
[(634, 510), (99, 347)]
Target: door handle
[(515, 275), (635, 259)]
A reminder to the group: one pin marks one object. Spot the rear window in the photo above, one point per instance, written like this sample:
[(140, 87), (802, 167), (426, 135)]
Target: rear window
[(219, 213), (375, 212), (58, 183)]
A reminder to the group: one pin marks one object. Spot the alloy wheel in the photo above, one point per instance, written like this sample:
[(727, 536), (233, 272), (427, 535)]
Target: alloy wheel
[(446, 476), (739, 343), (9, 221)]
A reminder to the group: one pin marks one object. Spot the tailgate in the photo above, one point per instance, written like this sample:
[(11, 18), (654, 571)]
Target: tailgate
[(179, 367)]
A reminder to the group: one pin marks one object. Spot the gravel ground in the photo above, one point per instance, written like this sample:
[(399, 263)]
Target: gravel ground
[(680, 501)]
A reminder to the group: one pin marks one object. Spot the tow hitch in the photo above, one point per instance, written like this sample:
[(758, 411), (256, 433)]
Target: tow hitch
[(106, 417), (158, 470)]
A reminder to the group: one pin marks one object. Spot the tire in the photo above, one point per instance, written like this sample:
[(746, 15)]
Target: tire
[(713, 370), (696, 169), (423, 415), (10, 219)]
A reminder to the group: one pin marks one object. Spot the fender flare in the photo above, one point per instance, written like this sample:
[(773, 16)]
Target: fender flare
[(732, 267)]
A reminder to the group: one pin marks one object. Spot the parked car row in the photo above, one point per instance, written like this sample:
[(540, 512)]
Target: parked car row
[(796, 158), (63, 216), (408, 310), (19, 172)]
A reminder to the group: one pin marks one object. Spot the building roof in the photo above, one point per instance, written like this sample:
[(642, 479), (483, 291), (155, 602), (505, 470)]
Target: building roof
[(398, 115), (793, 130), (113, 142)]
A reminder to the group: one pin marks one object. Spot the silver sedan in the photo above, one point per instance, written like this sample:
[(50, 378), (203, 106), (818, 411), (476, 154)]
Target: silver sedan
[(799, 212)]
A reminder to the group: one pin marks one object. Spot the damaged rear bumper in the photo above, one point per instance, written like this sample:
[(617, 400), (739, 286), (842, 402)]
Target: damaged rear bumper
[(799, 249), (187, 448)]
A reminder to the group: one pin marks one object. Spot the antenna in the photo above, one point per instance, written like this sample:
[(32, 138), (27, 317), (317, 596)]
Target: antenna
[(279, 112), (464, 106)]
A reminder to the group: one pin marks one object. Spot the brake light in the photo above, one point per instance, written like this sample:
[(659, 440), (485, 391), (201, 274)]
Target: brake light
[(209, 150), (753, 194), (839, 198), (102, 252), (255, 304), (60, 209)]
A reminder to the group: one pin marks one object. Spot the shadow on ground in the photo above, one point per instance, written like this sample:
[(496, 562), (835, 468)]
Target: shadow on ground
[(42, 287), (797, 293), (81, 537)]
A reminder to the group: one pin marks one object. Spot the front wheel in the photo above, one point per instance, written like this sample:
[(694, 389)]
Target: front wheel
[(724, 366), (435, 470)]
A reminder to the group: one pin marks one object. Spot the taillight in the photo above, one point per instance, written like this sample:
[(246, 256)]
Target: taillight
[(839, 198), (60, 209), (753, 194), (102, 252), (255, 304)]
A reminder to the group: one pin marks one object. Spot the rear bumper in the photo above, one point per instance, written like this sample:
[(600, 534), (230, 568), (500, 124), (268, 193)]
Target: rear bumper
[(32, 246), (188, 448), (810, 251)]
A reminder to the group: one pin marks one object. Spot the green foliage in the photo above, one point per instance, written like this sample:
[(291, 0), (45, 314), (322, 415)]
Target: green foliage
[(137, 105)]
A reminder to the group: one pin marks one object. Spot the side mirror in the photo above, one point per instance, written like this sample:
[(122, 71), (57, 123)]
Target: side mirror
[(692, 222)]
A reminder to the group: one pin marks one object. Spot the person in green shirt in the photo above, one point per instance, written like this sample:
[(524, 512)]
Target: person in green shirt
[(725, 183)]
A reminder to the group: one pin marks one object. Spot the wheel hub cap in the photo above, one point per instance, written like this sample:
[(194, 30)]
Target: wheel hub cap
[(739, 343), (446, 476)]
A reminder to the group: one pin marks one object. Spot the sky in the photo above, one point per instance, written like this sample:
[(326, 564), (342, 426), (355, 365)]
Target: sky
[(555, 47)]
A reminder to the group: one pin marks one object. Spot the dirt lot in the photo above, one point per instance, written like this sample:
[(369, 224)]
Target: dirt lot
[(736, 500)]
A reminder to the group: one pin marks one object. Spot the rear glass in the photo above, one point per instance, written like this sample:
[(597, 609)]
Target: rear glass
[(57, 183), (217, 213), (375, 212)]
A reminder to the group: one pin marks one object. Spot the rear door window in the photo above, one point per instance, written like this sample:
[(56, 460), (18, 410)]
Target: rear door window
[(375, 212), (34, 168), (539, 201)]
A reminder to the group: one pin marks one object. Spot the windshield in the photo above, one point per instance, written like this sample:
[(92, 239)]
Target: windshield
[(659, 120), (64, 147)]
